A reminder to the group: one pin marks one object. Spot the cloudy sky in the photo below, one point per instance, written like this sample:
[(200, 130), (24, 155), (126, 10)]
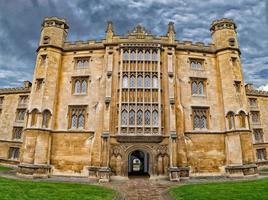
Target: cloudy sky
[(20, 22)]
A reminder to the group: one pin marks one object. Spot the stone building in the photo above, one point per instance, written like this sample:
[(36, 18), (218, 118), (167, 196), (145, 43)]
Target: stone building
[(135, 104)]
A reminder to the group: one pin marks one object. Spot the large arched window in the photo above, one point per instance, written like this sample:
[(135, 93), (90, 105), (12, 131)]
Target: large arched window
[(81, 121), (132, 55), (230, 119), (155, 82), (124, 117), (34, 117), (139, 117), (125, 81), (147, 82), (194, 87), (77, 87), (46, 118), (132, 81), (125, 55), (84, 86), (139, 81), (132, 117), (74, 121), (155, 56), (242, 119), (147, 117), (200, 88), (155, 118), (140, 55), (147, 56)]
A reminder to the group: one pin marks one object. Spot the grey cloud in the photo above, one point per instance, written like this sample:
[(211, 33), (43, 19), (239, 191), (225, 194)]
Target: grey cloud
[(20, 22)]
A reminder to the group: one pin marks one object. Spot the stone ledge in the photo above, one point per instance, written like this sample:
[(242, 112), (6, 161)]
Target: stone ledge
[(140, 139), (242, 170)]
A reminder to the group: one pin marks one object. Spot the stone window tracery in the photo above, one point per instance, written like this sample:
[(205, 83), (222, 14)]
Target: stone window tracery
[(77, 116), (132, 117), (80, 85), (139, 117), (147, 117), (82, 63), (200, 116), (198, 86), (196, 64), (124, 116), (155, 118)]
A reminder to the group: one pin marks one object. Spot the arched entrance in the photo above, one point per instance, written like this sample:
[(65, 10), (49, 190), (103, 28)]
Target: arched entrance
[(138, 163)]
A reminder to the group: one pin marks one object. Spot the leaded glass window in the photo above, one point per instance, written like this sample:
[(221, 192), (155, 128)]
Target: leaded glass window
[(14, 153), (77, 86), (81, 121), (200, 118), (155, 118), (147, 82), (132, 81), (139, 117), (74, 121), (147, 56), (132, 55), (196, 64), (125, 55), (140, 55), (155, 82), (200, 88), (147, 117), (84, 86), (132, 117), (255, 116), (124, 117), (258, 135), (140, 81), (125, 81), (155, 56), (194, 88)]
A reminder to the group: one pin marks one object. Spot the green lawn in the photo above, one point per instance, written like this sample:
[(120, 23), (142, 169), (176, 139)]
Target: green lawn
[(26, 190), (246, 190), (2, 168)]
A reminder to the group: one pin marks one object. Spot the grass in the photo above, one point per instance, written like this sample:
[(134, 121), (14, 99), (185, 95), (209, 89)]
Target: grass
[(244, 190), (2, 168), (26, 190)]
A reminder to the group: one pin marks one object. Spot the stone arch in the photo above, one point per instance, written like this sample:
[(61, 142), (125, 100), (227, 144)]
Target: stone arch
[(133, 148)]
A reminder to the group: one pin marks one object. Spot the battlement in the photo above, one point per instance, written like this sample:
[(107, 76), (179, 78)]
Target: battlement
[(250, 90), (223, 23), (56, 22), (25, 89)]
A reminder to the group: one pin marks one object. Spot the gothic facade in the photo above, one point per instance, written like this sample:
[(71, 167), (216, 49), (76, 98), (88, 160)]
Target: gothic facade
[(135, 104)]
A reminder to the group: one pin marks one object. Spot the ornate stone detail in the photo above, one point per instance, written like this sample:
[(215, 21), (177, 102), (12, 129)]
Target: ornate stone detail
[(139, 31)]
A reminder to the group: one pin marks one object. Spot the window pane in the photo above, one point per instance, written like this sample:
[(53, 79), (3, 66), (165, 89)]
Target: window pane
[(200, 88), (132, 81), (203, 122), (147, 56), (155, 56), (147, 117), (155, 82), (194, 88), (77, 87), (139, 81), (84, 86), (81, 121), (140, 55), (74, 121), (196, 121), (132, 117), (125, 81), (125, 55), (132, 55), (139, 117), (147, 83), (124, 117), (155, 118)]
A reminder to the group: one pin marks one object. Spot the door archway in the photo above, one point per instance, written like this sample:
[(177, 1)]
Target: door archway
[(138, 163)]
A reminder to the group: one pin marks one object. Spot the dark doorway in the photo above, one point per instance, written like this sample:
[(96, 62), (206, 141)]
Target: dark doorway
[(138, 163)]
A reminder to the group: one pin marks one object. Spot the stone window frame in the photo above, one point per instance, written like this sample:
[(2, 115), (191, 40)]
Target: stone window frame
[(197, 60), (18, 114), (23, 100), (39, 84), (206, 112), (198, 81), (77, 110), (256, 102), (237, 86), (230, 120), (252, 113), (43, 59), (261, 154), (46, 118), (258, 135), (17, 131), (14, 153), (83, 59), (80, 80), (242, 119)]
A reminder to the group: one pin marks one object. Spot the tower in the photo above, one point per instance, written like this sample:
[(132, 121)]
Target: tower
[(35, 158), (233, 99)]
